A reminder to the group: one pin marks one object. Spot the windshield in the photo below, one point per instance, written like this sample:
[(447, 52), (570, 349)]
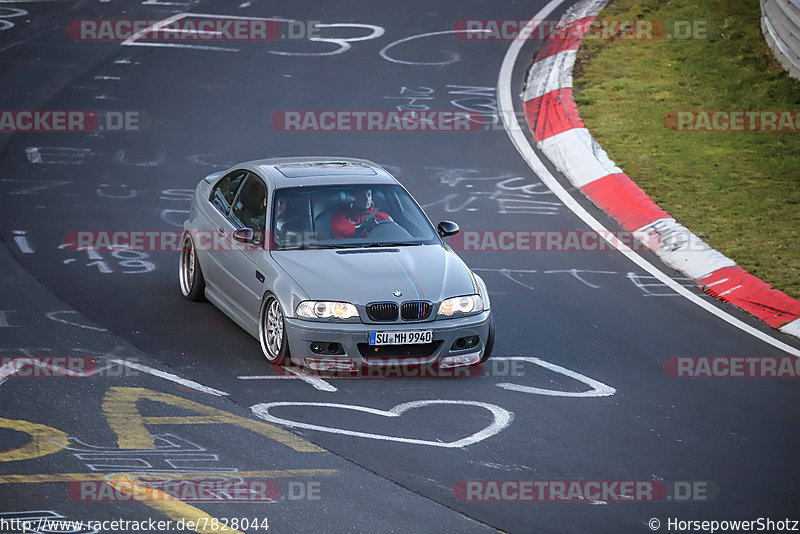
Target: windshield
[(345, 216)]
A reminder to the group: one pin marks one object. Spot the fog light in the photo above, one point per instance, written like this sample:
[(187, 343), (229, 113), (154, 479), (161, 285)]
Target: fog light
[(465, 343), (319, 347), (461, 359)]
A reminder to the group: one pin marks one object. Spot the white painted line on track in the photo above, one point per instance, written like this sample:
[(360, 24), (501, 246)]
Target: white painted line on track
[(598, 388), (171, 377), (54, 316), (267, 377), (314, 381), (12, 367), (384, 51), (502, 418), (523, 146), (22, 241), (317, 383)]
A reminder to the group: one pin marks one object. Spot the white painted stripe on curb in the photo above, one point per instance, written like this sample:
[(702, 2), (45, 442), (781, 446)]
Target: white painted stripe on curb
[(682, 249), (171, 377), (506, 107), (792, 328), (576, 154), (581, 10), (549, 75), (731, 290)]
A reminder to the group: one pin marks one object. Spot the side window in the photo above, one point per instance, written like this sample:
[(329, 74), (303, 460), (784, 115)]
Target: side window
[(225, 191), (250, 205)]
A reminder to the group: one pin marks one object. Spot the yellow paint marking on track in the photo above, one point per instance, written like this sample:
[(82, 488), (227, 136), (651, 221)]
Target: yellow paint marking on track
[(130, 426), (80, 477), (169, 506), (43, 440)]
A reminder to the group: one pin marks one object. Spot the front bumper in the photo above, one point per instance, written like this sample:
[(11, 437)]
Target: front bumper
[(301, 334)]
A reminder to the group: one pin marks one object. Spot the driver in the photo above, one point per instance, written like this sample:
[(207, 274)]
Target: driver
[(360, 219)]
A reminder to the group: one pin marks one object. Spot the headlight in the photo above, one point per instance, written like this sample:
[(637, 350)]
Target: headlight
[(465, 304), (311, 309)]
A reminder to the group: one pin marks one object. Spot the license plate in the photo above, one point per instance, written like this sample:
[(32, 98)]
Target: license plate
[(400, 338)]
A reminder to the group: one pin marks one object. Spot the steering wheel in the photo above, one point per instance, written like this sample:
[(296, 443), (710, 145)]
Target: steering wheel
[(370, 217)]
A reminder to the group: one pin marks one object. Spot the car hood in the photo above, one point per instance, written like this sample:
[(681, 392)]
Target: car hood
[(360, 276)]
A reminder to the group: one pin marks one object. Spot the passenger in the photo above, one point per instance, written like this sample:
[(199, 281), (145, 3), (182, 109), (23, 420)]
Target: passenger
[(290, 222)]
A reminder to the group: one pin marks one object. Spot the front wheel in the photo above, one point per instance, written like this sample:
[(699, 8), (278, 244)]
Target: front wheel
[(193, 284), (487, 350), (272, 331)]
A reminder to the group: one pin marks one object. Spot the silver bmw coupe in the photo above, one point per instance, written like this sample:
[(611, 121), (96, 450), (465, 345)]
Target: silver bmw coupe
[(331, 263)]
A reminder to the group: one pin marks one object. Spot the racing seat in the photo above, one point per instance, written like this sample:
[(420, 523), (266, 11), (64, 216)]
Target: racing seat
[(251, 206), (324, 209)]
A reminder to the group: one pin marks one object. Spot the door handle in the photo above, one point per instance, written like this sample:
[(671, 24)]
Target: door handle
[(221, 231)]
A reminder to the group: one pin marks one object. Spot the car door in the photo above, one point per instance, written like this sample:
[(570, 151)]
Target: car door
[(215, 227), (244, 266)]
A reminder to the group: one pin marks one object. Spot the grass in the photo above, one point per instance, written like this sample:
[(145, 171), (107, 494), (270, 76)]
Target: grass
[(739, 191)]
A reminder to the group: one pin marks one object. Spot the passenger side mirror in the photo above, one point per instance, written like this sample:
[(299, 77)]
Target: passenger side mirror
[(447, 228), (244, 235)]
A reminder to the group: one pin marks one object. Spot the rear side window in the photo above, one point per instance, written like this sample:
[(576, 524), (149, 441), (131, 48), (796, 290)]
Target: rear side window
[(250, 206), (225, 191)]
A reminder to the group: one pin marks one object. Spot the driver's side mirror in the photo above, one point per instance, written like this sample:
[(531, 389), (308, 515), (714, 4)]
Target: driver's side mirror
[(447, 228), (245, 235)]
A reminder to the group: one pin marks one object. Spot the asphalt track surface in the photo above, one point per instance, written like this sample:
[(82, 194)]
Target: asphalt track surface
[(591, 313)]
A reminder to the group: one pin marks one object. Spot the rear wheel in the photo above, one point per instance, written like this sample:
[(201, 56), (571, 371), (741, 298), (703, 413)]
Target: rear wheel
[(193, 284), (487, 351), (272, 331)]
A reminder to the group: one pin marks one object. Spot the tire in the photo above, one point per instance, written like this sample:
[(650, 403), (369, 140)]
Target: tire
[(487, 351), (192, 283), (272, 331)]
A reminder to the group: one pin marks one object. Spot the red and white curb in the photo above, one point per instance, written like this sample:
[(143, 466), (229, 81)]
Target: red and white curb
[(560, 134)]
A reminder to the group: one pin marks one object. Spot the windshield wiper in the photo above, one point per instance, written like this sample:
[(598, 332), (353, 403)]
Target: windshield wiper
[(307, 247), (391, 244)]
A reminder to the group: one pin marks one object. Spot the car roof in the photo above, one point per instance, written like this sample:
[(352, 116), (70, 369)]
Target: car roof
[(317, 170)]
